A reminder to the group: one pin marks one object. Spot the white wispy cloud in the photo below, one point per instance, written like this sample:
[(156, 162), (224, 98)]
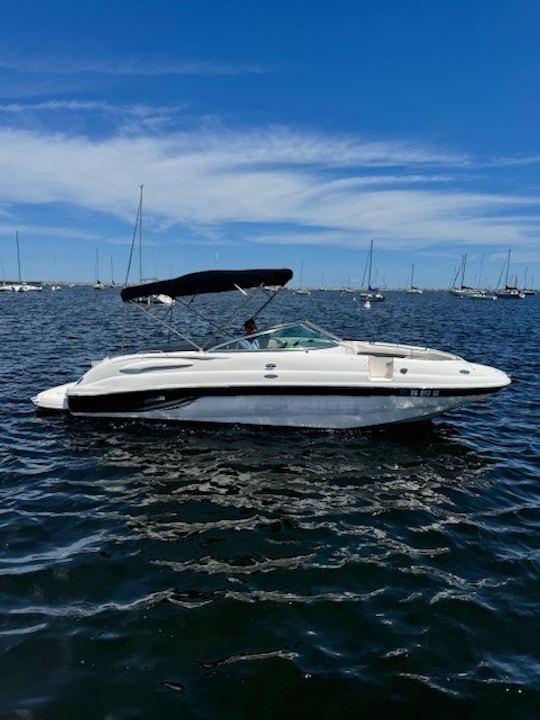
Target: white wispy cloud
[(126, 118), (280, 145), (138, 109), (514, 161), (55, 231), (326, 189), (146, 67)]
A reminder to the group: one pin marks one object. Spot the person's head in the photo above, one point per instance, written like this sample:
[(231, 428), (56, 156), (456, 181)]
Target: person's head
[(250, 327)]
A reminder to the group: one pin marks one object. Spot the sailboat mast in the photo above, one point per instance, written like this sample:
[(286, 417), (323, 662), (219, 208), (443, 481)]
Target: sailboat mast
[(463, 266), (507, 268), (481, 268), (112, 271), (140, 234), (18, 256), (97, 266), (412, 276), (370, 264)]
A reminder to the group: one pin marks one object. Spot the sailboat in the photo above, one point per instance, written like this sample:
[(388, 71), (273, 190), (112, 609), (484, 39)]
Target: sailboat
[(413, 290), (508, 292), (55, 286), (22, 286), (463, 290), (301, 290), (526, 290), (479, 293), (4, 287), (372, 294), (159, 299), (99, 285)]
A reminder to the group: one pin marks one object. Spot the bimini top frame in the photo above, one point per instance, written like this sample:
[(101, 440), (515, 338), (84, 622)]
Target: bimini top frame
[(267, 281)]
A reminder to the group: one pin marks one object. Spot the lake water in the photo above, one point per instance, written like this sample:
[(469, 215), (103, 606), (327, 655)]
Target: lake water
[(154, 571)]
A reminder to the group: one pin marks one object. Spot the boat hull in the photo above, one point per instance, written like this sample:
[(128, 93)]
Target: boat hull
[(301, 407), (351, 384), (511, 295)]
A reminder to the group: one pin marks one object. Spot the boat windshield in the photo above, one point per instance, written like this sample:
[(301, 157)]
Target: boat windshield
[(293, 336)]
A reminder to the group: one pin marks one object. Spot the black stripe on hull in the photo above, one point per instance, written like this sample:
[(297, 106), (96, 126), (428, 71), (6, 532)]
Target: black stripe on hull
[(148, 400)]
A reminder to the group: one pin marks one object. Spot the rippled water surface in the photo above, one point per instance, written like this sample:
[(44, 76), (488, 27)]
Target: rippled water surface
[(153, 571)]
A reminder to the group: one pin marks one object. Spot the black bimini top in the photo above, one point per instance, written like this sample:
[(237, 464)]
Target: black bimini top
[(210, 281)]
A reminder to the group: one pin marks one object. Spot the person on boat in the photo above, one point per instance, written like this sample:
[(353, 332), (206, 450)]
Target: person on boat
[(250, 328)]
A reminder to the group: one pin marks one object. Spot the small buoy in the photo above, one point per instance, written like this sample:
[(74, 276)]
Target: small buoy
[(367, 305)]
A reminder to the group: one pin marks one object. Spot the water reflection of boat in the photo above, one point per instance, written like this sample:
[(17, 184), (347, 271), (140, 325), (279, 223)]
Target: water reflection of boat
[(376, 471), (294, 374)]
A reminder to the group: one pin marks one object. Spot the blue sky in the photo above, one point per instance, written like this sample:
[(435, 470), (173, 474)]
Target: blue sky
[(271, 134)]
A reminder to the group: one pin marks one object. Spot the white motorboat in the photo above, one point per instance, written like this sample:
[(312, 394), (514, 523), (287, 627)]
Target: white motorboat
[(294, 374), (26, 287), (463, 292), (481, 295), (372, 295), (159, 299)]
